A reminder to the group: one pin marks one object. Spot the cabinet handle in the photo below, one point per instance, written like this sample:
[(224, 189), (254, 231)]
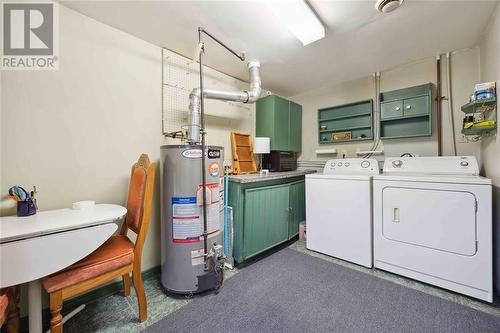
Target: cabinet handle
[(398, 108), (408, 107)]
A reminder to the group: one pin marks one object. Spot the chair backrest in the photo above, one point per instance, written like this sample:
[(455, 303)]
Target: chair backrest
[(139, 201)]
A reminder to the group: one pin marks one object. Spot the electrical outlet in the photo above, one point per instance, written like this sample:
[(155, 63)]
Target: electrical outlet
[(462, 139)]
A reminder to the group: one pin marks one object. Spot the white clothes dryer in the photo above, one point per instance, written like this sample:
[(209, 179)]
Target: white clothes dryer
[(433, 223)]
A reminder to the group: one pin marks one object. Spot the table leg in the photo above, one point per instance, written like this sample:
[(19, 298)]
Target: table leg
[(35, 306)]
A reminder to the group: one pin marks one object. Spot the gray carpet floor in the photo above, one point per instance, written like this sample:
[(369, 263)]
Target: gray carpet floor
[(292, 292)]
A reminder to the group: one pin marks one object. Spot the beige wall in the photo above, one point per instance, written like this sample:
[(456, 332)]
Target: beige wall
[(75, 132), (490, 71), (465, 73)]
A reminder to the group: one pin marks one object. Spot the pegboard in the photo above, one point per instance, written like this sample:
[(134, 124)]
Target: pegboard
[(180, 77)]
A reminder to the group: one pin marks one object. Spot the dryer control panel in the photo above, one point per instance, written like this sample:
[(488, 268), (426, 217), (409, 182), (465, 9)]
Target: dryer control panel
[(433, 165), (351, 166)]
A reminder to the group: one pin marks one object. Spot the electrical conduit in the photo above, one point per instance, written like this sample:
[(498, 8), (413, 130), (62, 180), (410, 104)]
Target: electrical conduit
[(450, 103)]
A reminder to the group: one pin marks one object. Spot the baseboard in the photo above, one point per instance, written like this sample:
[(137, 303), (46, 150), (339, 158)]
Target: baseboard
[(88, 297)]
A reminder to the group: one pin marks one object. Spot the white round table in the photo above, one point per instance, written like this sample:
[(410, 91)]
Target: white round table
[(33, 247)]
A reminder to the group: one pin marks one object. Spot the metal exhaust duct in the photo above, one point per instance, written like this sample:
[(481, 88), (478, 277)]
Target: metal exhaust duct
[(249, 96)]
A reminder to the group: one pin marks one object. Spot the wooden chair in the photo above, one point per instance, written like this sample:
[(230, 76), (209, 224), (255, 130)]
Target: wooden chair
[(117, 257), (9, 309)]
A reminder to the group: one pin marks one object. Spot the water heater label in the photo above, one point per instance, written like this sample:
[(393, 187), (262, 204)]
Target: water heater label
[(212, 194), (213, 153), (192, 153), (186, 222), (197, 257), (214, 169)]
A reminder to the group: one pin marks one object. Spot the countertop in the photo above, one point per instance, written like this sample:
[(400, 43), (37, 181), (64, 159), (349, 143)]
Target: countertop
[(255, 177)]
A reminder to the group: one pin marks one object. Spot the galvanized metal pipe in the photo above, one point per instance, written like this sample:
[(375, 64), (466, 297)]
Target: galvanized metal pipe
[(247, 96)]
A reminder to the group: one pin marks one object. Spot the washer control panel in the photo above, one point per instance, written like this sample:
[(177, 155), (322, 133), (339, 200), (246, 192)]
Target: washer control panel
[(435, 165), (351, 166)]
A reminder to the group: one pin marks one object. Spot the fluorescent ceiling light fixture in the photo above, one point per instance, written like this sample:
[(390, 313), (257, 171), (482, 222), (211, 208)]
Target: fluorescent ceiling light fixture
[(299, 18)]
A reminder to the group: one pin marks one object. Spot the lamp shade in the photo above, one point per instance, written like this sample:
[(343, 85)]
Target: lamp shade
[(261, 145)]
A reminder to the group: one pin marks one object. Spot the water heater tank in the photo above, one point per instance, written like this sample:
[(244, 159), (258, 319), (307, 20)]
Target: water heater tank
[(182, 252)]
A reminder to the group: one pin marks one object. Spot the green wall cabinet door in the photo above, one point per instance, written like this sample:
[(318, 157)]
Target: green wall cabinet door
[(297, 207), (279, 141), (391, 110), (280, 120), (267, 211)]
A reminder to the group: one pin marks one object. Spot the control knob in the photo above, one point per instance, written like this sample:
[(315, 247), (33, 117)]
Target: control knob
[(397, 163)]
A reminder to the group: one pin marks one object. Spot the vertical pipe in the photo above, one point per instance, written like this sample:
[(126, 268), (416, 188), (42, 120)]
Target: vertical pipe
[(438, 107), (226, 201), (450, 103), (203, 166)]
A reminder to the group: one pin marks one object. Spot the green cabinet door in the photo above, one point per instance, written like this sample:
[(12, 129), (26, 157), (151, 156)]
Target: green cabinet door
[(391, 110), (416, 106), (281, 121), (281, 124), (266, 216), (264, 117), (297, 207), (295, 133)]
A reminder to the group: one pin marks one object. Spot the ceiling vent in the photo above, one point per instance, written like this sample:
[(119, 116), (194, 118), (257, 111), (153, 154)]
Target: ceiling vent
[(387, 6)]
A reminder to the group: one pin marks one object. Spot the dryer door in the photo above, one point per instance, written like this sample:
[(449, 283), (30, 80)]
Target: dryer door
[(438, 219)]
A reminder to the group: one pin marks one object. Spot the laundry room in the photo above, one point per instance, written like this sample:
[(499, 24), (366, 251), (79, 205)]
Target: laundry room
[(249, 166)]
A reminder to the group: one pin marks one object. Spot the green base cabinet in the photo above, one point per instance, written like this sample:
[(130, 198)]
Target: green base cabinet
[(280, 120), (265, 214), (267, 210), (297, 207)]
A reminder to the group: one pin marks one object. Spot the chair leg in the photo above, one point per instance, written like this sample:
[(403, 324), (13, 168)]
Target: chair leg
[(13, 317), (141, 295), (126, 284), (56, 302)]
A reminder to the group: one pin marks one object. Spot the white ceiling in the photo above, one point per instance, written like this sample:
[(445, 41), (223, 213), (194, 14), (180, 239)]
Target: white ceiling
[(358, 41)]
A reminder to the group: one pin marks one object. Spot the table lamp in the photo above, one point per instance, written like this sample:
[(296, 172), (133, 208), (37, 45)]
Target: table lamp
[(262, 145)]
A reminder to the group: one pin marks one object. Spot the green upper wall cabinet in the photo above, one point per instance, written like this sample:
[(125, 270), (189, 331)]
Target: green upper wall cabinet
[(280, 120), (407, 112), (355, 118)]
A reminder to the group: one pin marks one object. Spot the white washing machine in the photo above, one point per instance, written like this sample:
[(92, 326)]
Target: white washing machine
[(339, 210), (433, 223)]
